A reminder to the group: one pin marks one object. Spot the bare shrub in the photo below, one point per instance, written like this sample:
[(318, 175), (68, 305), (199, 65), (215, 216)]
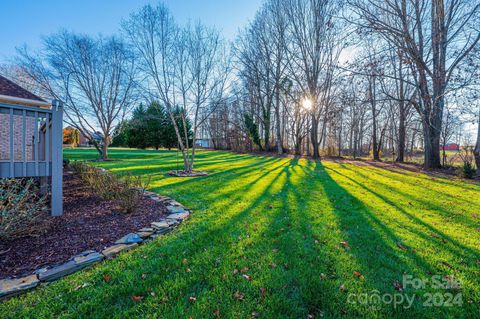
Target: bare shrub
[(468, 168), (23, 210), (125, 190)]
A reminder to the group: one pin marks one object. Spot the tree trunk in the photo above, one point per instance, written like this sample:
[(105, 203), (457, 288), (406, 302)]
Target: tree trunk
[(314, 138), (402, 117), (105, 149), (439, 47), (278, 122), (476, 151), (431, 137), (266, 129), (376, 154)]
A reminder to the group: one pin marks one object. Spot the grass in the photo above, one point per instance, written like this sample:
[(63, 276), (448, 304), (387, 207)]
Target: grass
[(306, 235)]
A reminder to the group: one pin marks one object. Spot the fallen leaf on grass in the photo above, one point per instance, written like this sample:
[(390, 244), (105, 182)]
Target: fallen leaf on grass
[(255, 314), (238, 295), (273, 265), (358, 275), (345, 244), (184, 261), (249, 278), (323, 276), (107, 278), (216, 313), (144, 275), (192, 299), (286, 266), (342, 287), (263, 291), (82, 286), (400, 245), (397, 285), (136, 298), (235, 271), (244, 270)]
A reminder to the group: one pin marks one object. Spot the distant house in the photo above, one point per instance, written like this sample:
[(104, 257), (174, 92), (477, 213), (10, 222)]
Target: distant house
[(204, 143), (451, 147)]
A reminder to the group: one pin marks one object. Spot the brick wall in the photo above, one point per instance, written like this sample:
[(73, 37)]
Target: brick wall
[(17, 137)]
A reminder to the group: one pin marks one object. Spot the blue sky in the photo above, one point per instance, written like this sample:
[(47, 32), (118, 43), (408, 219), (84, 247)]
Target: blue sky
[(26, 21)]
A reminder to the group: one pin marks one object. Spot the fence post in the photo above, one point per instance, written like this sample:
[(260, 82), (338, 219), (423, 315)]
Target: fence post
[(57, 158)]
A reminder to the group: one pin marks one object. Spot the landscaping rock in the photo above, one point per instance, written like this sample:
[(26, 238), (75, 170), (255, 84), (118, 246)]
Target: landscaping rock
[(175, 209), (131, 238), (76, 263), (12, 287), (145, 234), (146, 229), (112, 251), (163, 231), (178, 216), (160, 225)]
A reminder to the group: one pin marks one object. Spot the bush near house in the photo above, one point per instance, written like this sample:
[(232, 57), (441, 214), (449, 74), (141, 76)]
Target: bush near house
[(126, 190), (21, 207)]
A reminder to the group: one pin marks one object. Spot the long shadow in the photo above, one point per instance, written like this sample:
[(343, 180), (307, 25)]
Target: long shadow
[(440, 209), (207, 233), (456, 247), (407, 179), (306, 233)]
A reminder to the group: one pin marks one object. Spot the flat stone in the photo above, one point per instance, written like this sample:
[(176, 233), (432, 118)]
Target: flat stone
[(146, 229), (12, 287), (174, 203), (160, 225), (129, 239), (164, 231), (175, 209), (76, 263), (88, 259), (145, 234), (178, 216), (114, 250)]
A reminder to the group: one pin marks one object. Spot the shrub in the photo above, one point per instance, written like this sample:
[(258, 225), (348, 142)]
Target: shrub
[(125, 190), (468, 168), (21, 209)]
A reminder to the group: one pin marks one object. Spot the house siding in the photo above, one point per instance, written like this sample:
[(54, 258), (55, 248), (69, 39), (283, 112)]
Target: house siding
[(17, 137)]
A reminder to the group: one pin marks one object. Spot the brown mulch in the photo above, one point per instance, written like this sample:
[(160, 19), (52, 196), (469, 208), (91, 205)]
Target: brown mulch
[(88, 223)]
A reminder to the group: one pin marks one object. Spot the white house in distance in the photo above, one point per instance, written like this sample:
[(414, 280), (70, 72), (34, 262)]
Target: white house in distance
[(31, 138)]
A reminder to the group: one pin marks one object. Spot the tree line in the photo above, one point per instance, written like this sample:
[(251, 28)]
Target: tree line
[(150, 127), (379, 78)]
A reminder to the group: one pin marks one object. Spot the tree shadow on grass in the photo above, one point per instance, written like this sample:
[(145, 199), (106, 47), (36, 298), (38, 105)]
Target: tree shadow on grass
[(312, 215), (458, 249)]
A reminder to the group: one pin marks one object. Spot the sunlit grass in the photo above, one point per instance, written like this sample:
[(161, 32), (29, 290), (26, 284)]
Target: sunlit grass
[(282, 222)]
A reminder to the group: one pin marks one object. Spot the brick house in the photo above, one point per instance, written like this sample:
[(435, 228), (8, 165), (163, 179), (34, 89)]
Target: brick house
[(12, 93)]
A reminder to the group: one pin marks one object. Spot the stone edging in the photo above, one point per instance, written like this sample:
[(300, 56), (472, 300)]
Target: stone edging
[(177, 213)]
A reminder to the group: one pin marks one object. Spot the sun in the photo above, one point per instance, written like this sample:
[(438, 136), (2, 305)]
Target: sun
[(307, 103)]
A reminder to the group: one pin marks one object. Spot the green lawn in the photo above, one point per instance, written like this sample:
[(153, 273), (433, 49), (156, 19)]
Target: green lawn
[(307, 236)]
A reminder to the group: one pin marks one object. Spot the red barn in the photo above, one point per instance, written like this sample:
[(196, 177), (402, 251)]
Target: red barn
[(451, 147)]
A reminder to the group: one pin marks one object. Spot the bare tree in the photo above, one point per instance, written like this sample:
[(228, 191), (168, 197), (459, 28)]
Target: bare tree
[(183, 68), (314, 49), (435, 37), (94, 77)]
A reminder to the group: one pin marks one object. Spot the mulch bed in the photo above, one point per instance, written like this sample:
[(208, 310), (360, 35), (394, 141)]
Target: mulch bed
[(88, 222)]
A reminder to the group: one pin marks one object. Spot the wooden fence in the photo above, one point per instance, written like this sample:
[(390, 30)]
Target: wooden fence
[(31, 145)]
